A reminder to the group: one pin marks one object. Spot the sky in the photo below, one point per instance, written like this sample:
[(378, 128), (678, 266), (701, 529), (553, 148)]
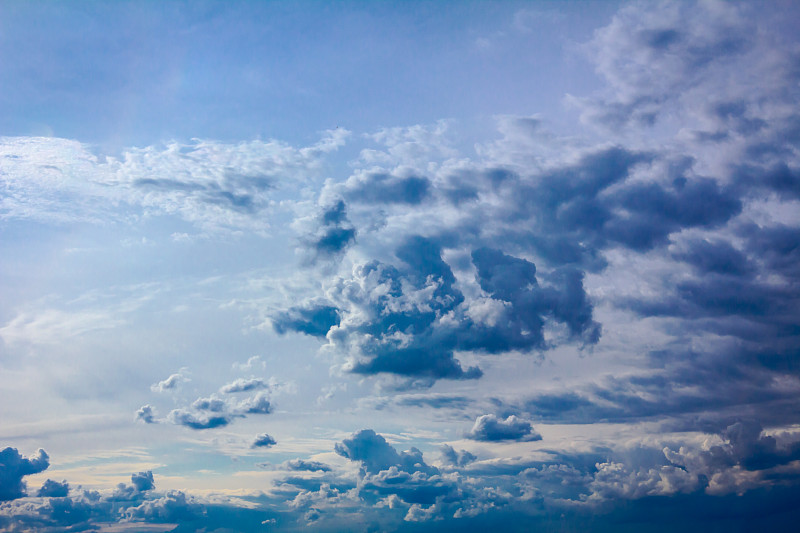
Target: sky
[(399, 266)]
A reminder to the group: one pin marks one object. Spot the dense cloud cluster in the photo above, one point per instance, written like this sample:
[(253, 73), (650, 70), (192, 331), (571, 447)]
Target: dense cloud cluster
[(14, 467), (409, 319), (58, 508)]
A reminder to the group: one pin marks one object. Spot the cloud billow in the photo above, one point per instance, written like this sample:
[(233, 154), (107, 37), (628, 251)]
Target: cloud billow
[(14, 467), (490, 428), (409, 319)]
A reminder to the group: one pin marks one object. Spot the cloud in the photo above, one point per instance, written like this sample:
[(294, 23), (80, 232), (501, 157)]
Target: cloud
[(146, 414), (452, 457), (251, 364), (376, 455), (243, 385), (191, 420), (490, 428), (384, 472), (172, 382), (313, 319), (53, 489), (14, 467), (410, 319), (217, 411), (650, 58), (303, 465), (332, 233), (264, 441), (141, 484), (218, 187), (380, 188), (258, 404), (173, 506)]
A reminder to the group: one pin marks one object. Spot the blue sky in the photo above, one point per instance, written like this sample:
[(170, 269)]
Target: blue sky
[(414, 266)]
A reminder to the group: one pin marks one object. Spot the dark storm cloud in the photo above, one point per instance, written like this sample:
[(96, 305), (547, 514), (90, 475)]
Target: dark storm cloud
[(14, 467), (715, 256), (593, 202), (380, 188), (776, 246), (513, 280), (685, 390), (490, 428)]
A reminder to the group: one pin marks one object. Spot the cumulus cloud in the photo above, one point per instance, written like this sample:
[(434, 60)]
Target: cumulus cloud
[(490, 428), (381, 188), (171, 383), (146, 414), (53, 489), (173, 506), (243, 385), (182, 417), (452, 457), (410, 319), (303, 465), (376, 455), (14, 467), (670, 248), (264, 441), (331, 234)]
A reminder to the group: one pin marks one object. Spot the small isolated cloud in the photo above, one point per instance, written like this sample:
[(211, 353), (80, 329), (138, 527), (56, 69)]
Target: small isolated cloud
[(146, 414), (171, 383), (264, 441), (490, 428), (13, 467), (243, 385)]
